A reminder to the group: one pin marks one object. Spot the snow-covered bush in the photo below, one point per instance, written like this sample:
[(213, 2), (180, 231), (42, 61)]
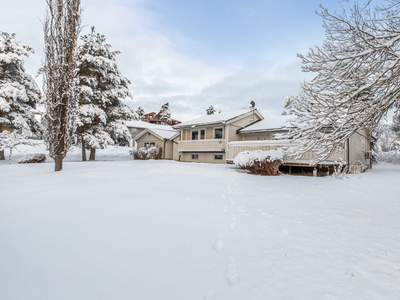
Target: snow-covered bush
[(147, 153), (392, 157), (260, 162), (340, 169), (32, 158), (12, 140)]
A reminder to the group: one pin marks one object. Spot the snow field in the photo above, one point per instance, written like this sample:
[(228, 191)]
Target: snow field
[(162, 230)]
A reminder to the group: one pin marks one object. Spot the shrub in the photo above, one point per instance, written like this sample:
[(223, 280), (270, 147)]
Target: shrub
[(32, 158), (260, 162), (147, 153)]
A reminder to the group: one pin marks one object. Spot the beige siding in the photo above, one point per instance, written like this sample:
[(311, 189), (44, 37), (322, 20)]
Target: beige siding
[(175, 152), (234, 126), (256, 136), (203, 158), (359, 147)]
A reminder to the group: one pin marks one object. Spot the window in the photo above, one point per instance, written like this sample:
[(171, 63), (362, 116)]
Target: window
[(218, 133), (202, 134), (197, 132), (362, 144), (195, 135), (195, 156), (152, 144), (147, 145), (218, 156)]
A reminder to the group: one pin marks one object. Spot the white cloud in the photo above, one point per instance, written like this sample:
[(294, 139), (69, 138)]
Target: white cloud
[(162, 64)]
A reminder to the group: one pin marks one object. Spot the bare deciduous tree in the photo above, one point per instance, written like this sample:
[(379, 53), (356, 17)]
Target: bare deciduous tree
[(357, 82), (61, 30)]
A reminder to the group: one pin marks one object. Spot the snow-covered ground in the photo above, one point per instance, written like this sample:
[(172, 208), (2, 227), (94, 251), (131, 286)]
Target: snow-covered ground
[(168, 230)]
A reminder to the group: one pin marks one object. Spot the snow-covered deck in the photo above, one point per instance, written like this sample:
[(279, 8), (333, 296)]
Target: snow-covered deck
[(234, 148)]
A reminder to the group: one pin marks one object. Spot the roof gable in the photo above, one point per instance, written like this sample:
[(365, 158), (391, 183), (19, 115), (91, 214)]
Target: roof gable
[(276, 123)]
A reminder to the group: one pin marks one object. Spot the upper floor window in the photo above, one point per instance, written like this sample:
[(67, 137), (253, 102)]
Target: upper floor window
[(198, 134), (217, 133), (195, 135), (362, 144)]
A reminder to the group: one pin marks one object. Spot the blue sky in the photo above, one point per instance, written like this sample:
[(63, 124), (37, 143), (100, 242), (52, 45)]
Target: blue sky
[(194, 53)]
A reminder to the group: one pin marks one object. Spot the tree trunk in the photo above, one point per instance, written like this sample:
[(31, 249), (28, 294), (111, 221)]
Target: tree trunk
[(58, 163), (83, 150), (92, 154), (9, 157), (2, 155)]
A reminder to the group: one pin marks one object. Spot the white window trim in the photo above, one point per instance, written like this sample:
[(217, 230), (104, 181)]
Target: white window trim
[(199, 134), (218, 158), (218, 127), (363, 143), (191, 156)]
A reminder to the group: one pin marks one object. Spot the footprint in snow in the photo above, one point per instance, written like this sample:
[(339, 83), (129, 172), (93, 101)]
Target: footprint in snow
[(210, 295), (218, 244), (231, 272), (233, 202), (224, 209), (232, 223)]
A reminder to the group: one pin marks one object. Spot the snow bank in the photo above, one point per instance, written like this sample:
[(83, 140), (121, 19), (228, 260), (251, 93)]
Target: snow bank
[(163, 230)]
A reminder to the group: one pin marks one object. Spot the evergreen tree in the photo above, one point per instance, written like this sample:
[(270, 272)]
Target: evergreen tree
[(19, 92), (140, 112), (210, 110), (164, 114), (101, 85)]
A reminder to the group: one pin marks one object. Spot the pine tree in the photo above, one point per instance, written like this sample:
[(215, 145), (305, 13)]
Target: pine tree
[(210, 110), (101, 113), (164, 115), (140, 112), (19, 93)]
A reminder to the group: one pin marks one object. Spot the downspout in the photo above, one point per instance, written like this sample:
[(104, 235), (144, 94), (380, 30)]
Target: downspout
[(165, 140)]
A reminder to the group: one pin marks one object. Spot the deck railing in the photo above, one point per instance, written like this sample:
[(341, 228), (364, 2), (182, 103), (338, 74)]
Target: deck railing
[(234, 148)]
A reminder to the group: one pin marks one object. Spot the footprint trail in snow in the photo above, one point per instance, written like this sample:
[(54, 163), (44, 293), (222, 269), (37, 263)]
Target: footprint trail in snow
[(218, 244), (231, 272), (232, 223)]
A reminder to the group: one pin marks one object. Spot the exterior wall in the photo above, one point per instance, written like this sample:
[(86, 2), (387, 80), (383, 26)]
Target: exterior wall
[(168, 151), (175, 152), (134, 132), (150, 138), (234, 126), (256, 136), (360, 147), (203, 158), (187, 146)]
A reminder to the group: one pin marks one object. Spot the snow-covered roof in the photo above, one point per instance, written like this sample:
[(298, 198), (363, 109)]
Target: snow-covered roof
[(160, 133), (270, 124), (166, 134), (216, 118), (141, 124)]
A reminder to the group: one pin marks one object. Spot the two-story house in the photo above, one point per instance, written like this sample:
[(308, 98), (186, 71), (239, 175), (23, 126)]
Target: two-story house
[(206, 139)]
